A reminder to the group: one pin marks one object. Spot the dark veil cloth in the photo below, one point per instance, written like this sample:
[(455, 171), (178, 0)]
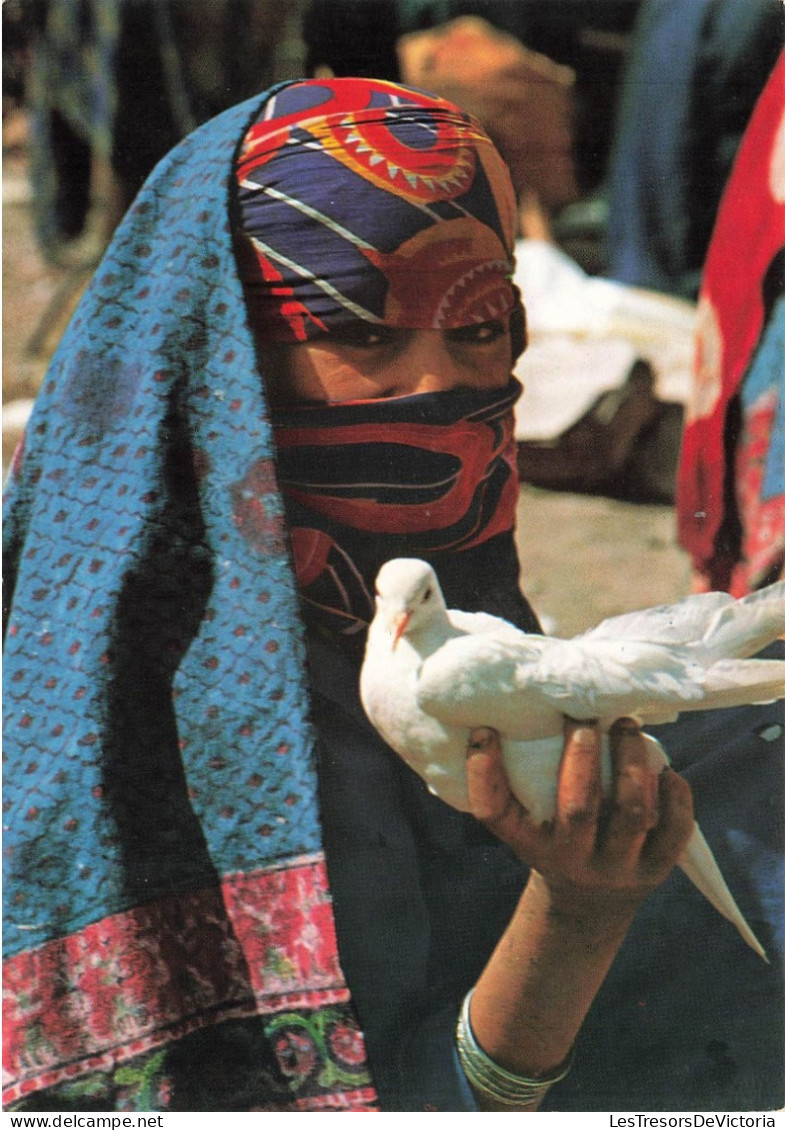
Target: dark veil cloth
[(169, 941)]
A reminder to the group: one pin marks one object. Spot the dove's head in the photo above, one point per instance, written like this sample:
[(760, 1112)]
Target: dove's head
[(408, 596)]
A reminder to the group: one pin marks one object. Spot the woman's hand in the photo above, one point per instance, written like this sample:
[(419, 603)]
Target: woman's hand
[(592, 866), (622, 845)]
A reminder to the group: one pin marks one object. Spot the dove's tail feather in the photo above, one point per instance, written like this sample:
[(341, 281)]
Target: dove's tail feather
[(742, 628), (739, 682), (700, 866)]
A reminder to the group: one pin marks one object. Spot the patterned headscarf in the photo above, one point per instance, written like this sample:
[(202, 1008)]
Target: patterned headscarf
[(365, 199)]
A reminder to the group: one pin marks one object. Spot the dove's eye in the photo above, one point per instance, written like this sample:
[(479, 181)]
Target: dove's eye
[(427, 594)]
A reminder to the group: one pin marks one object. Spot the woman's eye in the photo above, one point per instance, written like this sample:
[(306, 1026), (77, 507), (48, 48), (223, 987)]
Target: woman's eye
[(480, 333), (362, 336)]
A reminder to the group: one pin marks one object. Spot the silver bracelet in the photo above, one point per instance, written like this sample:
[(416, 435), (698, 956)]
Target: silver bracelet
[(492, 1080)]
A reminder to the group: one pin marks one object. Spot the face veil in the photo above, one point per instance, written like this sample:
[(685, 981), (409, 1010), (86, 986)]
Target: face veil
[(431, 475)]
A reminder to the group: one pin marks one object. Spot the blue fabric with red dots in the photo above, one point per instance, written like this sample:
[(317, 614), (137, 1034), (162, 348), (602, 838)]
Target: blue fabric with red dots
[(156, 736)]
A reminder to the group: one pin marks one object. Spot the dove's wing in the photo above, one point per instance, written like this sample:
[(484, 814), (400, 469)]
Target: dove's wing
[(738, 682), (475, 680), (607, 679), (722, 626), (523, 687), (741, 629), (651, 682), (483, 623), (684, 622)]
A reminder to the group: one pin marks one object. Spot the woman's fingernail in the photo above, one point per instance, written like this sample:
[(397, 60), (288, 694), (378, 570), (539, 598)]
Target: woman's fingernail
[(626, 726), (481, 738), (584, 735)]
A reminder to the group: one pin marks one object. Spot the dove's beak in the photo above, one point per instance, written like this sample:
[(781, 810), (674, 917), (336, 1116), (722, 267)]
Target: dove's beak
[(400, 624)]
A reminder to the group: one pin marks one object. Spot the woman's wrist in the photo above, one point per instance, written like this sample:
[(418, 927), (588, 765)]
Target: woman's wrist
[(532, 997), (492, 1083), (607, 912)]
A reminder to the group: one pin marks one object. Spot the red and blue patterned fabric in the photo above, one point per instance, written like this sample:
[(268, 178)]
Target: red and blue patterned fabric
[(731, 481), (364, 199), (169, 939)]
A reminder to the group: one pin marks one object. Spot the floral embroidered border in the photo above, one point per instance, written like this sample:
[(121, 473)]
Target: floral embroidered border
[(147, 977)]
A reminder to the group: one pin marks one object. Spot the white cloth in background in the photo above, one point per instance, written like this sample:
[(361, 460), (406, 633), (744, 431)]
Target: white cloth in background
[(585, 333)]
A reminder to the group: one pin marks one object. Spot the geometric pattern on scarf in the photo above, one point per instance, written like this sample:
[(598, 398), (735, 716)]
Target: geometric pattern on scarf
[(359, 198), (165, 879)]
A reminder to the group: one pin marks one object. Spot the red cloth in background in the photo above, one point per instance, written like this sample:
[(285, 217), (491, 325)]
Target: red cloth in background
[(732, 525)]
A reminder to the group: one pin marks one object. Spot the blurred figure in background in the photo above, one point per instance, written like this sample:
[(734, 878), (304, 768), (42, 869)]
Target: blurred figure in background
[(589, 37), (114, 84), (524, 99), (731, 486), (695, 71)]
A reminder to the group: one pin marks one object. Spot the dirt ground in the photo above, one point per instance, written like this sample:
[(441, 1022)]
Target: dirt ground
[(583, 557)]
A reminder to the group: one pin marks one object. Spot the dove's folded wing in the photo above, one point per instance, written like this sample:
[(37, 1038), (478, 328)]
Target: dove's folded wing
[(609, 679), (739, 682), (746, 626), (483, 623), (475, 680), (523, 688)]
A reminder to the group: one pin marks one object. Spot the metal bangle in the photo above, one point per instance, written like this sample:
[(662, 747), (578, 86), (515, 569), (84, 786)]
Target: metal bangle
[(492, 1080)]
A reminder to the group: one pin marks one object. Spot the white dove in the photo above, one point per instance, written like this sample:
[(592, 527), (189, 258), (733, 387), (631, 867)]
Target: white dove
[(431, 674)]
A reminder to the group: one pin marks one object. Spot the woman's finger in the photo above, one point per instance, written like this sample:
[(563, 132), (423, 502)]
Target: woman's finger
[(490, 797), (633, 808), (668, 840), (579, 790)]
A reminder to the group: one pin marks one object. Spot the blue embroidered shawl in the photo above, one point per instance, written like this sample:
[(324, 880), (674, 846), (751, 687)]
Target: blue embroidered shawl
[(168, 921)]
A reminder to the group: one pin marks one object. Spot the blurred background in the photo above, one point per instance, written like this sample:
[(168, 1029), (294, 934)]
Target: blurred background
[(619, 120)]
